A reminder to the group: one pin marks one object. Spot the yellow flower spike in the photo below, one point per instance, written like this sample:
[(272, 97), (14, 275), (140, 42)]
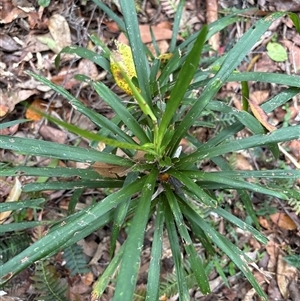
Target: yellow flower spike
[(123, 70), (122, 57)]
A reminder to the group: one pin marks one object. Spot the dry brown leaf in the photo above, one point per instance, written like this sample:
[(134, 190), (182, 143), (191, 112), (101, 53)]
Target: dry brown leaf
[(34, 44), (10, 98), (273, 290), (265, 64), (6, 8), (163, 298), (294, 54), (112, 26), (110, 170), (286, 5), (260, 115), (165, 25), (212, 16), (272, 249), (4, 110), (242, 163), (88, 279), (162, 45), (50, 133), (294, 290), (250, 295), (60, 31), (88, 68), (35, 21), (159, 34), (13, 196), (294, 146), (264, 223), (7, 43), (89, 247), (295, 112), (260, 96), (102, 247), (66, 76), (78, 289), (32, 111), (283, 221), (14, 14), (254, 243), (285, 275)]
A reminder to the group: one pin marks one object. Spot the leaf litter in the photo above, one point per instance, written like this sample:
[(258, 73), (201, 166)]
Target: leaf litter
[(30, 39)]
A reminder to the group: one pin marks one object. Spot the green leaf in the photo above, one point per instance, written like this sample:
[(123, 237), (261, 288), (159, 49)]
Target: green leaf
[(137, 47), (232, 60), (57, 185), (233, 182), (294, 17), (293, 260), (247, 202), (23, 226), (156, 251), (102, 283), (266, 77), (220, 271), (245, 94), (120, 214), (74, 200), (131, 258), (242, 225), (183, 81), (203, 238), (37, 203), (47, 283), (235, 254), (98, 119), (11, 123), (193, 257), (74, 228), (205, 152), (249, 121), (276, 52), (44, 3), (111, 14), (176, 24), (61, 151), (62, 172), (201, 196), (96, 137), (176, 253), (84, 53), (115, 103)]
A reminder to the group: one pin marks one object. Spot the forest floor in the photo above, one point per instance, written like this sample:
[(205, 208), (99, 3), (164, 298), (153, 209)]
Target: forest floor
[(30, 38)]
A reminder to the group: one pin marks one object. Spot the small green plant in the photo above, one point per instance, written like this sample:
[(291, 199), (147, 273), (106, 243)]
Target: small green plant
[(47, 282), (155, 178)]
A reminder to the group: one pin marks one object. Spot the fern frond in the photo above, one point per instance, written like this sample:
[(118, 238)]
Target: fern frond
[(294, 197), (233, 161), (169, 286), (12, 245), (169, 6), (75, 260), (295, 204), (140, 293), (47, 283)]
